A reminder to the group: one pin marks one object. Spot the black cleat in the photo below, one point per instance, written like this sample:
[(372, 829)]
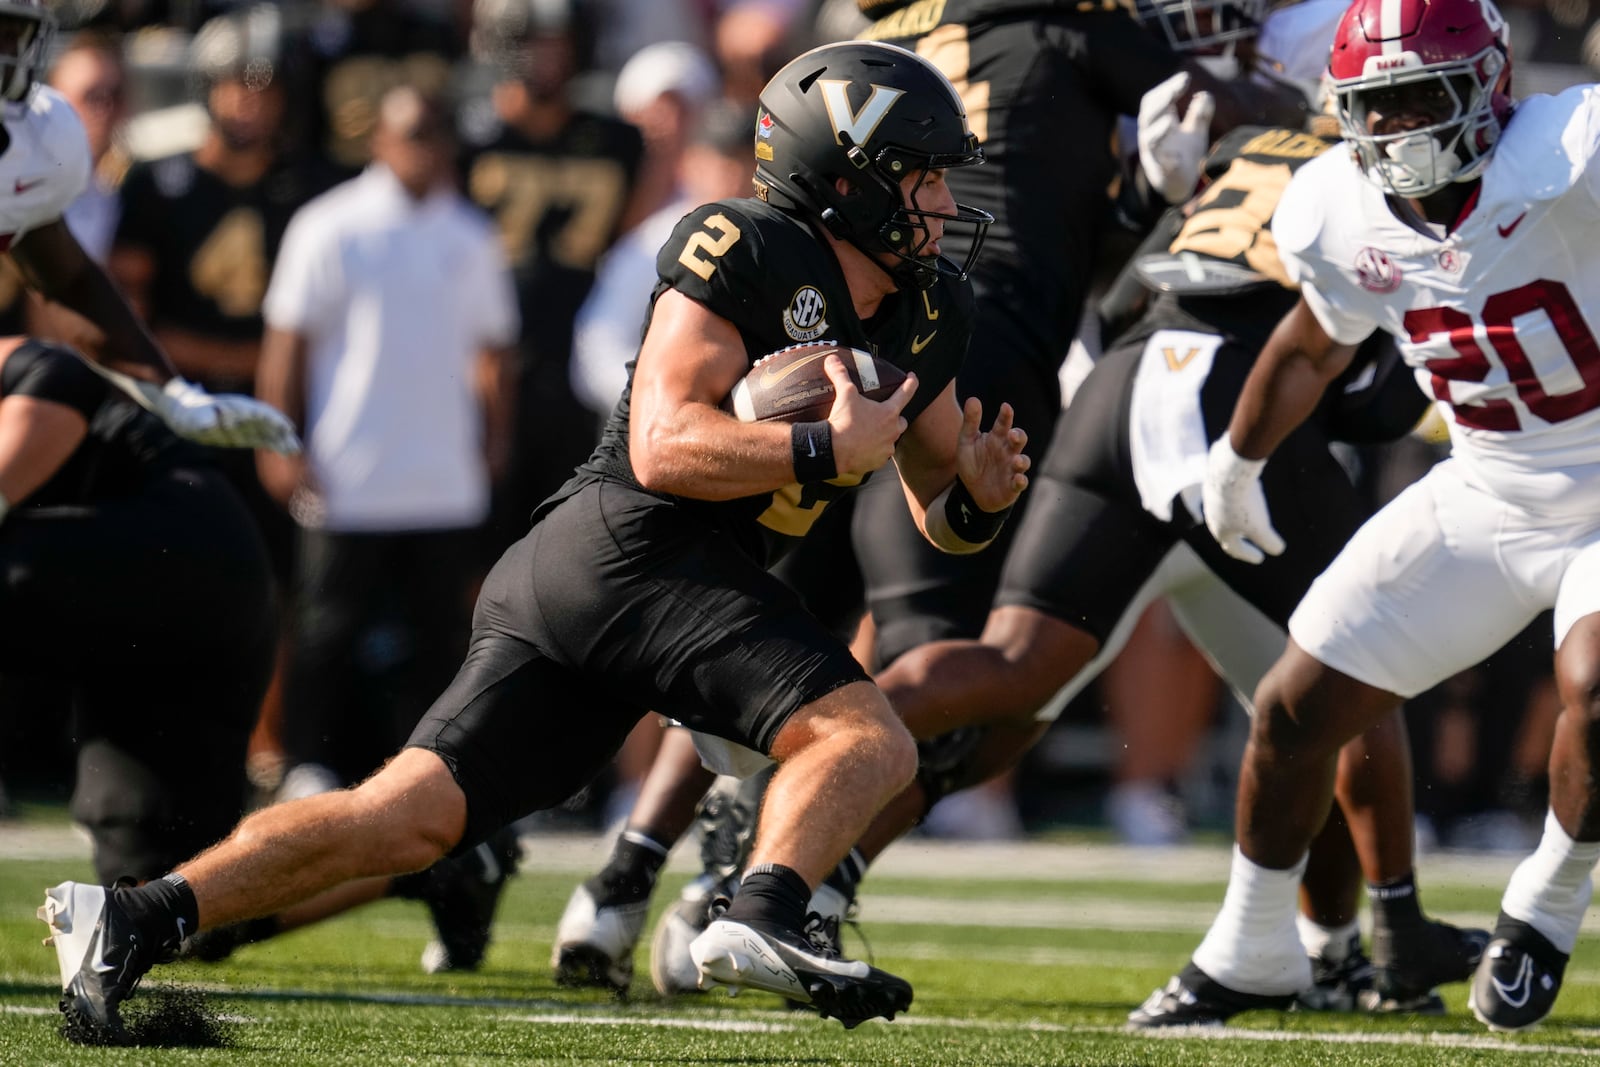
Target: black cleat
[(1409, 961), (787, 962), (1517, 981), (1338, 985), (1193, 998), (102, 956), (461, 893), (214, 946)]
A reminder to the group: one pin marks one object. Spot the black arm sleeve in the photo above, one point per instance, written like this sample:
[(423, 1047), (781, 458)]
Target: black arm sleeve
[(54, 373)]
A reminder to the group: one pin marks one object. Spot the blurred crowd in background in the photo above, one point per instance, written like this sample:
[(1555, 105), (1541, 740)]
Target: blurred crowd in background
[(212, 124)]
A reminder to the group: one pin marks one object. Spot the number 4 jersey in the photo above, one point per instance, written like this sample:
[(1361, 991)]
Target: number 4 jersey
[(1498, 316)]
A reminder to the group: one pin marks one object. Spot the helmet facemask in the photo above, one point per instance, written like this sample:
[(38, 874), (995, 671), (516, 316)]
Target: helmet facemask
[(1463, 99), (880, 217), (26, 30), (1209, 30)]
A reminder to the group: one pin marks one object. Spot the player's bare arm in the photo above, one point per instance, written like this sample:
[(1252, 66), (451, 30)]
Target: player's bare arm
[(1282, 391), (56, 266), (1286, 382), (945, 449), (104, 327), (682, 443), (281, 382)]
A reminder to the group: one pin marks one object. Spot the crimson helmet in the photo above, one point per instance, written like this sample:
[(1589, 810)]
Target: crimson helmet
[(872, 114), (26, 30), (1450, 59)]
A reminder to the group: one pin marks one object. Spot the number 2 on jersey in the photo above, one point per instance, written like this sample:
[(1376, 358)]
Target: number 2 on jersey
[(712, 247)]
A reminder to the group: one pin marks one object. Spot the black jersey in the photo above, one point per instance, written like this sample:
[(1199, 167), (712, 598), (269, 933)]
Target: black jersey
[(212, 244), (778, 283), (124, 444), (344, 62), (1220, 273), (558, 204), (1043, 84)]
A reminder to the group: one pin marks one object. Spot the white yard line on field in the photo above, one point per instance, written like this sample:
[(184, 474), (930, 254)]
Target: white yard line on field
[(705, 1017)]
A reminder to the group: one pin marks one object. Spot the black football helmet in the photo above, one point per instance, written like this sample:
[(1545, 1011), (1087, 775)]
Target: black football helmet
[(872, 114)]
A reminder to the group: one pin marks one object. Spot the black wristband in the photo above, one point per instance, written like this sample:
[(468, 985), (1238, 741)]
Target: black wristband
[(967, 520), (812, 445)]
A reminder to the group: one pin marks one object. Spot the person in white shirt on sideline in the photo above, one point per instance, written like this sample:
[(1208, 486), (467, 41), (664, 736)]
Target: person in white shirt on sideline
[(389, 319)]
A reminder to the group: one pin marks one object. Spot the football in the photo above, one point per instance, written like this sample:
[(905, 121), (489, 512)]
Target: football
[(790, 385)]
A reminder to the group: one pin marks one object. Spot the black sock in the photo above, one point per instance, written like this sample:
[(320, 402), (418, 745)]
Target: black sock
[(847, 876), (629, 876), (1395, 902), (164, 908), (771, 893)]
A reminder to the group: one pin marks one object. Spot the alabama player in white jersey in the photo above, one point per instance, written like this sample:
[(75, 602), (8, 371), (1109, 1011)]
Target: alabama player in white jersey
[(1472, 234), (44, 165)]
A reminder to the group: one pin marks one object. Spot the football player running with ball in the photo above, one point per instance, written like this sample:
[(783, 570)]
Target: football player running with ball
[(643, 583), (1470, 232), (44, 165)]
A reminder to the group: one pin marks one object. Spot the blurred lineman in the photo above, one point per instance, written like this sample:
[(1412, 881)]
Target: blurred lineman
[(681, 504), (122, 535)]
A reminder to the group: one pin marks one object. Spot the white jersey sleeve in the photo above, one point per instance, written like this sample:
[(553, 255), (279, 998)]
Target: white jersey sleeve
[(1320, 189), (1583, 146), (1499, 315), (46, 166)]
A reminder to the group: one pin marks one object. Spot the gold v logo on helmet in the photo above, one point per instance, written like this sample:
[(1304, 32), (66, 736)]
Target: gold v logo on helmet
[(858, 124)]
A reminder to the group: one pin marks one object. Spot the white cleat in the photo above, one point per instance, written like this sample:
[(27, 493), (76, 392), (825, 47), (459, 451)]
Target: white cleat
[(785, 962), (594, 942)]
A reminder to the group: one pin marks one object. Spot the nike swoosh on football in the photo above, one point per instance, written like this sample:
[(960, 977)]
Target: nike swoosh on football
[(1524, 982), (1505, 231), (771, 378), (919, 343), (22, 186)]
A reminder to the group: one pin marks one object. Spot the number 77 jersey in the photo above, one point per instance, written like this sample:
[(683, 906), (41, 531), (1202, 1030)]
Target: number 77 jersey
[(1497, 317)]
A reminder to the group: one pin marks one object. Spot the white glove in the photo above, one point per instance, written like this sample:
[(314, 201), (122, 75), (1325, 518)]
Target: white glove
[(1235, 506), (1172, 148), (228, 420)]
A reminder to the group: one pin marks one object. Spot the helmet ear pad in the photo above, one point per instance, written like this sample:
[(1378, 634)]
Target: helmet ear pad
[(868, 203)]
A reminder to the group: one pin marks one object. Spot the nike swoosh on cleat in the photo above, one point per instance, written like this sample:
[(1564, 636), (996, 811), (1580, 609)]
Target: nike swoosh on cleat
[(1524, 983)]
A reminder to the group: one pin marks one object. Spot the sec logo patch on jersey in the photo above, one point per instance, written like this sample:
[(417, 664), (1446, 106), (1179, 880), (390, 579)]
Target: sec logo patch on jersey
[(805, 319)]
